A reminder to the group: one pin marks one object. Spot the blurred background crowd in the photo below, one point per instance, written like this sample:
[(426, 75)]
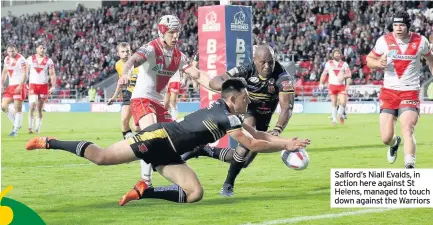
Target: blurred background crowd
[(82, 42)]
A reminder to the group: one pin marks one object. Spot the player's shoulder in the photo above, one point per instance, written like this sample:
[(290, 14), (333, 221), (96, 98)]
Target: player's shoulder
[(119, 62), (235, 119), (423, 38), (279, 70), (21, 57), (381, 39)]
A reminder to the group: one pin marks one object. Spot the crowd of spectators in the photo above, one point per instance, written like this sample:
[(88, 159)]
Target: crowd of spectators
[(82, 42)]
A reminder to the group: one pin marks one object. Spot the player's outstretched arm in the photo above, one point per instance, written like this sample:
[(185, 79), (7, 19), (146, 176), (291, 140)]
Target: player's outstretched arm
[(201, 77), (136, 60), (217, 82), (249, 137), (291, 144)]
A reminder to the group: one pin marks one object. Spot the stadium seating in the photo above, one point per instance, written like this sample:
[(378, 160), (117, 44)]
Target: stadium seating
[(82, 42)]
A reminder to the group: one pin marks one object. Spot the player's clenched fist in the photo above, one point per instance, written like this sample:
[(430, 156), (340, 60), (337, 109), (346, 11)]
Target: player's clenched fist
[(123, 80)]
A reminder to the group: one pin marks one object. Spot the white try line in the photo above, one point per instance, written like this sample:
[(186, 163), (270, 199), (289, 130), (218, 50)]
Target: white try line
[(318, 217)]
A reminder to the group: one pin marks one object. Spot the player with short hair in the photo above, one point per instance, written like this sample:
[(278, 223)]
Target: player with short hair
[(269, 84), (124, 52), (339, 78), (162, 144), (40, 70), (160, 59), (14, 69), (399, 54)]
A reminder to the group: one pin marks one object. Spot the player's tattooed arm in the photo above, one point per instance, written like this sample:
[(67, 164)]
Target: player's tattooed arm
[(135, 60), (201, 77)]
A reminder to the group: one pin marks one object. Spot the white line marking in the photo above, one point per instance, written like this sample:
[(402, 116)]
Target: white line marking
[(46, 166), (318, 217)]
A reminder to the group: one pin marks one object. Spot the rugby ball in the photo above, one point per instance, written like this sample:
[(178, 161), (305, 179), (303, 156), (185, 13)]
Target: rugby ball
[(297, 160)]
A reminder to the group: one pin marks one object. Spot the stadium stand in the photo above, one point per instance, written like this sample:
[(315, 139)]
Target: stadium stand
[(82, 42)]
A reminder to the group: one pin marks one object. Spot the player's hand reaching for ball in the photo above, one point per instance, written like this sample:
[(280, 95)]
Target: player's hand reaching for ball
[(295, 143)]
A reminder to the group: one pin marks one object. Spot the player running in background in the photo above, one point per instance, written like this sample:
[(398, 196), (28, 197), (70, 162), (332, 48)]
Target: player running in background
[(124, 52), (178, 85), (174, 89), (162, 144), (40, 69), (14, 68), (160, 59), (339, 78), (269, 84), (399, 54)]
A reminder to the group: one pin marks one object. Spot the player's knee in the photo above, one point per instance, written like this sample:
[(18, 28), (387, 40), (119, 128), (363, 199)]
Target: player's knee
[(136, 129), (4, 107), (387, 138), (125, 122), (100, 160), (195, 194), (407, 129)]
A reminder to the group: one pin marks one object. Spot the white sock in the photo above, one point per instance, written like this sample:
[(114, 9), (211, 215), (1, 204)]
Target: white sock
[(146, 172), (173, 113), (409, 159), (17, 122), (393, 141), (30, 121), (38, 123), (11, 115), (340, 110), (334, 114)]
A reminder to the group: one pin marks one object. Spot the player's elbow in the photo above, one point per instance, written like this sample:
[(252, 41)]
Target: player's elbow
[(371, 62), (215, 83)]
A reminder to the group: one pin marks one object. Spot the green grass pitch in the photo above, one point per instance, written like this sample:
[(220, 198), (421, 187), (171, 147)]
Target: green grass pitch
[(66, 189)]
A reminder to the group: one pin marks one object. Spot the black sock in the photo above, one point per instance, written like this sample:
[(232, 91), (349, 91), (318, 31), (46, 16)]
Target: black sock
[(75, 147), (223, 154), (235, 167), (126, 132), (170, 193)]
